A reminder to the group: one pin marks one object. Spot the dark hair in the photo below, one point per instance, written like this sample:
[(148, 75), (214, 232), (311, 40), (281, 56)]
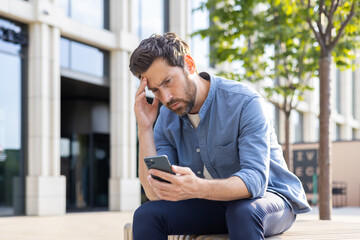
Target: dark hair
[(168, 46)]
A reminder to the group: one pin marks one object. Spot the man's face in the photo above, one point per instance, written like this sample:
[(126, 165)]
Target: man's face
[(172, 86)]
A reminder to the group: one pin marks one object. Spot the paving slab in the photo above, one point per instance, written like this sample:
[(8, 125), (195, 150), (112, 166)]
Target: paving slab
[(110, 226)]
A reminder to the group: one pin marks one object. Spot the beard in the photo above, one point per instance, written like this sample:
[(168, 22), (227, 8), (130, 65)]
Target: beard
[(190, 90)]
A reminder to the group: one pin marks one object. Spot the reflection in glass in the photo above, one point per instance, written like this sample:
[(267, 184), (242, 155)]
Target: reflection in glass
[(87, 59), (5, 46), (65, 5), (65, 53), (354, 134), (83, 58), (200, 47), (10, 133), (90, 12), (338, 132), (135, 21), (270, 111), (298, 125), (151, 21)]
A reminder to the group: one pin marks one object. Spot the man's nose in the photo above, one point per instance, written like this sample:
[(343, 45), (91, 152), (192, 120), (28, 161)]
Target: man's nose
[(166, 96)]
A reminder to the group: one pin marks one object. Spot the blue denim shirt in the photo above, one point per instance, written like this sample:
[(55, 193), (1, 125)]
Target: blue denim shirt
[(233, 138)]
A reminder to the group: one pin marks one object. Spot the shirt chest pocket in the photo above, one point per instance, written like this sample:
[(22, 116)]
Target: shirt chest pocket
[(225, 159)]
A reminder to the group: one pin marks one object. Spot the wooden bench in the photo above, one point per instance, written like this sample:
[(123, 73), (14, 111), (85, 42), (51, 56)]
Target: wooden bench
[(343, 227), (128, 235)]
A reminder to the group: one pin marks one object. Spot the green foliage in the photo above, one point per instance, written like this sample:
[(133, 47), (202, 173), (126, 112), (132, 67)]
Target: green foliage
[(272, 39)]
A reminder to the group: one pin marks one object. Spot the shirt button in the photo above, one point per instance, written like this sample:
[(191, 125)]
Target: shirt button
[(198, 172), (198, 150)]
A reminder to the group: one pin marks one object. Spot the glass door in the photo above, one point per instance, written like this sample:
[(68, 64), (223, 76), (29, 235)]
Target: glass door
[(85, 163), (11, 179)]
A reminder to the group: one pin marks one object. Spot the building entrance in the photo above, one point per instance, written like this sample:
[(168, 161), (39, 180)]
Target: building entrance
[(13, 58), (85, 144)]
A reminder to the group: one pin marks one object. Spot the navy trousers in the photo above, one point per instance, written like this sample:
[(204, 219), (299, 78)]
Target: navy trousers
[(242, 219)]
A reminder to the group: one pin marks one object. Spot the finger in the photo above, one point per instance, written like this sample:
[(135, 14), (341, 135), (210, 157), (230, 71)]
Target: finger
[(143, 84), (140, 97), (164, 175), (181, 170), (159, 187)]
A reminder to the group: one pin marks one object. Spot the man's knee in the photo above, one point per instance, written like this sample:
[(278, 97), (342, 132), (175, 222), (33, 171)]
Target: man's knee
[(243, 212), (148, 222), (244, 220), (145, 213)]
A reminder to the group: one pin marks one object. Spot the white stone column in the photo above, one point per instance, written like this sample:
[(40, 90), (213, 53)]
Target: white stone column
[(45, 187), (309, 127), (124, 186), (357, 86), (346, 103), (179, 17), (311, 121)]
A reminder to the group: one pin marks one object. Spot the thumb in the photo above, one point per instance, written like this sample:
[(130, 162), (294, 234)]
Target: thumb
[(181, 170)]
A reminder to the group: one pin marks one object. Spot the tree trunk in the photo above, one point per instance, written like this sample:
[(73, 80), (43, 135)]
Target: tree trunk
[(324, 161), (287, 141)]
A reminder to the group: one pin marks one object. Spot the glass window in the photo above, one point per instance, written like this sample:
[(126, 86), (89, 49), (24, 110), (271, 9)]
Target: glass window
[(200, 48), (277, 121), (65, 5), (273, 113), (11, 177), (135, 17), (354, 134), (83, 58), (65, 53), (152, 21), (338, 132), (87, 59), (10, 36), (90, 12), (297, 123)]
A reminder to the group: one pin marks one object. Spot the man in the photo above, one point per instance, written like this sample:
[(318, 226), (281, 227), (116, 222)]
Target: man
[(230, 173)]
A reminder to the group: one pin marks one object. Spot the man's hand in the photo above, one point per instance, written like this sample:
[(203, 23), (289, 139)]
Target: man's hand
[(145, 113), (184, 185)]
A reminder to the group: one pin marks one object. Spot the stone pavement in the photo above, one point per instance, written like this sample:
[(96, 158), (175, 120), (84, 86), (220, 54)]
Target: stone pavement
[(110, 226)]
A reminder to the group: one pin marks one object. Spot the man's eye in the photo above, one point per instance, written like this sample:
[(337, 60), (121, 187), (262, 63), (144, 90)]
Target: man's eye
[(167, 81)]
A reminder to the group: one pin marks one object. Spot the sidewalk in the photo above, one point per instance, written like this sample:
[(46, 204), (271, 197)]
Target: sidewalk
[(345, 224), (110, 226)]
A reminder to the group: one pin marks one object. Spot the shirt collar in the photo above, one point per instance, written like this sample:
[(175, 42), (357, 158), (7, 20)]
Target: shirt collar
[(210, 96)]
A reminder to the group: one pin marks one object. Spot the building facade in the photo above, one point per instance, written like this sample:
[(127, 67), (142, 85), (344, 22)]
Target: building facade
[(67, 128)]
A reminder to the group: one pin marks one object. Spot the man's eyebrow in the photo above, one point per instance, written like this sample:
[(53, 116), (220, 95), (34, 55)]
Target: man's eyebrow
[(159, 85), (163, 81), (150, 88)]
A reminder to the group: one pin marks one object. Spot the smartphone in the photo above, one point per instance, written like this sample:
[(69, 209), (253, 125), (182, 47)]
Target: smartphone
[(160, 162)]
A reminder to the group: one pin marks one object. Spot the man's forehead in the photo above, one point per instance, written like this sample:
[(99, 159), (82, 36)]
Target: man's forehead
[(154, 82)]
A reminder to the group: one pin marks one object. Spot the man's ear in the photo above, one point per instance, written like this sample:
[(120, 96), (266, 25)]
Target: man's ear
[(189, 63)]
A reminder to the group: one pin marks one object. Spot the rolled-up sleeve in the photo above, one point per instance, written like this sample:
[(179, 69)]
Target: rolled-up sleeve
[(254, 147), (163, 146)]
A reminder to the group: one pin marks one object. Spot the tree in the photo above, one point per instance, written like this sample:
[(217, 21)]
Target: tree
[(305, 34), (269, 41), (335, 25)]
